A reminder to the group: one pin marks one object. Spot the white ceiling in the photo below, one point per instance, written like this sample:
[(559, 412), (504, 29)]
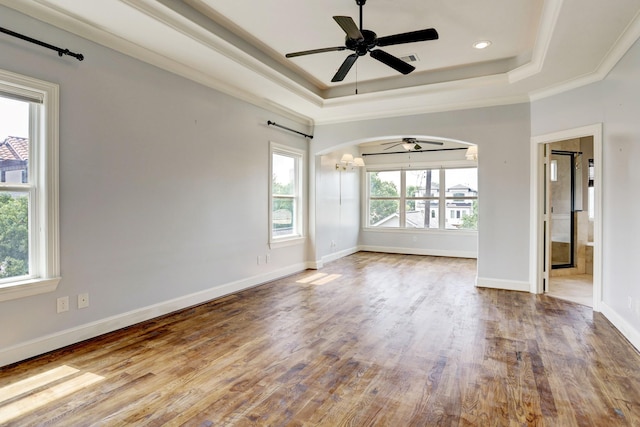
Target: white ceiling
[(291, 25), (539, 47)]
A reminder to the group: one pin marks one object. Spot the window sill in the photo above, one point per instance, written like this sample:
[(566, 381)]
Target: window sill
[(26, 288), (281, 243)]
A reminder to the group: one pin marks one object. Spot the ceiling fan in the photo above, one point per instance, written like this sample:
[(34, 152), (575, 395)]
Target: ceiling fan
[(363, 41), (410, 144)]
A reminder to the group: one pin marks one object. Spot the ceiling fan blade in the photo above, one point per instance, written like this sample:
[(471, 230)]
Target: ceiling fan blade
[(344, 68), (430, 142), (312, 51), (410, 37), (392, 146), (393, 62), (349, 26)]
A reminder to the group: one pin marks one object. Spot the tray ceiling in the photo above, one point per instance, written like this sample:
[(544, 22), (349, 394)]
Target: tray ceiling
[(538, 47)]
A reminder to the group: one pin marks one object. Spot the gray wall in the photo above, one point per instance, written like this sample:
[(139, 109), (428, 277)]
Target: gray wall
[(615, 102), (163, 189), (502, 135), (337, 193)]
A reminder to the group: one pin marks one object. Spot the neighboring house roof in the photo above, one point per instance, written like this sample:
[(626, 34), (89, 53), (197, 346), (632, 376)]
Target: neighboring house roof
[(461, 187), (14, 148), (386, 219), (414, 219)]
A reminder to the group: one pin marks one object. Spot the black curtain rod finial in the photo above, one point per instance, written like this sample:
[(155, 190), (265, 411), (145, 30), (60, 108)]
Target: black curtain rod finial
[(60, 51), (78, 56)]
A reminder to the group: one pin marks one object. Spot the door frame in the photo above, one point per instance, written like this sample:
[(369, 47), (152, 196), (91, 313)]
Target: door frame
[(537, 249)]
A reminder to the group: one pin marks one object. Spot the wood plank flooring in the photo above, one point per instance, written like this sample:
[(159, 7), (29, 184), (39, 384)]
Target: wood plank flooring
[(371, 339)]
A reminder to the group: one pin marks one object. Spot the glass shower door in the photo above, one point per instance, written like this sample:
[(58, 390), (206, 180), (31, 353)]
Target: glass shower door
[(562, 199)]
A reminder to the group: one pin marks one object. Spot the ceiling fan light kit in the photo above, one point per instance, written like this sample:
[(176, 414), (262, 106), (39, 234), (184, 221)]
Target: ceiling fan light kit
[(410, 144), (348, 160), (362, 41)]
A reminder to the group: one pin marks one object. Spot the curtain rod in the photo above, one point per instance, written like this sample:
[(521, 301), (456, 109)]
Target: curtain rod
[(414, 151), (60, 51), (270, 123)]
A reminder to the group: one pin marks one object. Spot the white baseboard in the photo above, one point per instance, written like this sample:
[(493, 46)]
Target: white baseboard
[(509, 285), (625, 328), (74, 335), (419, 251), (315, 265)]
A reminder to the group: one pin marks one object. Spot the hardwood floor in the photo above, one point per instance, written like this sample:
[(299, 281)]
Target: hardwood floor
[(371, 339)]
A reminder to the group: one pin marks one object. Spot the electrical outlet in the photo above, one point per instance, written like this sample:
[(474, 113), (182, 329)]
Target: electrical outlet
[(259, 259), (267, 258), (63, 304), (83, 300)]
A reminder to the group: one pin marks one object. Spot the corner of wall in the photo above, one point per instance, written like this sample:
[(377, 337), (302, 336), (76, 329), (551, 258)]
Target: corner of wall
[(625, 328), (340, 254)]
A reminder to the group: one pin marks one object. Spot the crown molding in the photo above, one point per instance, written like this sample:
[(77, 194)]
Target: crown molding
[(622, 45), (548, 21), (232, 71), (46, 12)]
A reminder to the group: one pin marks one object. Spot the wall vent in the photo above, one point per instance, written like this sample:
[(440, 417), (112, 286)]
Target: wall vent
[(412, 57)]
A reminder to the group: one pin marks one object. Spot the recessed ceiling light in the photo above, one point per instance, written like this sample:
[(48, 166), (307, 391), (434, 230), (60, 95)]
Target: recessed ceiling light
[(482, 44)]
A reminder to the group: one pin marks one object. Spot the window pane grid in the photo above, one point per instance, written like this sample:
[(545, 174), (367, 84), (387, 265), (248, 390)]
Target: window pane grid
[(14, 235), (286, 188), (16, 188), (424, 198)]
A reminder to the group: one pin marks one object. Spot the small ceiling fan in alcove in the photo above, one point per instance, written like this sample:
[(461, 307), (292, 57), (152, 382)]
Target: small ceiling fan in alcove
[(410, 144), (363, 41)]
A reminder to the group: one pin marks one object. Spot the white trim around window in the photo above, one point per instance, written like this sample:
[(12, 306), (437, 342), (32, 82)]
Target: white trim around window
[(44, 256), (290, 193)]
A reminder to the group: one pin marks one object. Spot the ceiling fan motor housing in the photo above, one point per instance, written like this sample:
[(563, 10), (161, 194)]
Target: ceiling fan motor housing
[(361, 47)]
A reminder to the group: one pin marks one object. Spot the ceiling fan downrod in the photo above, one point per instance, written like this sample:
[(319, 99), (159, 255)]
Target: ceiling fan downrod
[(361, 3)]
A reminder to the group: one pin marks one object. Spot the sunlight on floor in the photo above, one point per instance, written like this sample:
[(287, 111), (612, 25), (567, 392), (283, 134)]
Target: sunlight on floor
[(61, 382), (319, 279)]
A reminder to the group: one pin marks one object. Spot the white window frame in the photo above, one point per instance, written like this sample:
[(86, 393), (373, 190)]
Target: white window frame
[(299, 196), (44, 237), (442, 198)]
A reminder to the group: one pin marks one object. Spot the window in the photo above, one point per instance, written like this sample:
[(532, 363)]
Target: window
[(286, 194), (384, 199), (423, 198), (28, 186)]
